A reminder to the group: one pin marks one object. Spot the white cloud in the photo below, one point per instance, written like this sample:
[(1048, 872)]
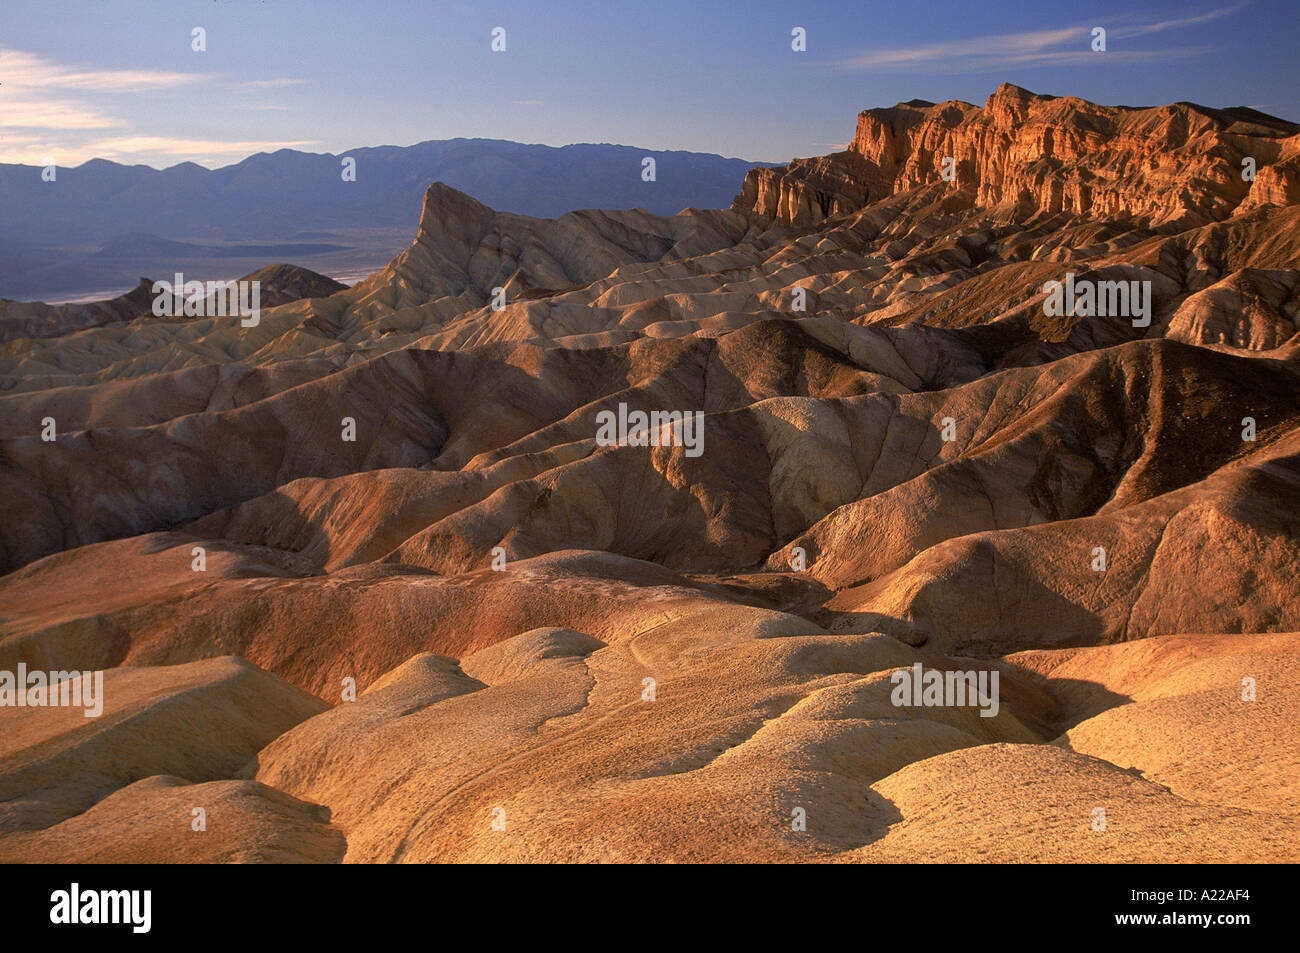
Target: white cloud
[(1009, 45), (1125, 32), (127, 146), (29, 79), (19, 113), (129, 150), (271, 83), (1067, 46), (29, 71), (28, 150), (36, 105)]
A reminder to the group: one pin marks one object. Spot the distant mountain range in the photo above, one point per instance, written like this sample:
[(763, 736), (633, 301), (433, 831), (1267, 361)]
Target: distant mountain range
[(101, 225)]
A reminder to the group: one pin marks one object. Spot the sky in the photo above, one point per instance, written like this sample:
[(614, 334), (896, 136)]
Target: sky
[(120, 79)]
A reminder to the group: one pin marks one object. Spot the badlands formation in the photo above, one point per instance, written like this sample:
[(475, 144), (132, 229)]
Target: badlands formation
[(472, 632)]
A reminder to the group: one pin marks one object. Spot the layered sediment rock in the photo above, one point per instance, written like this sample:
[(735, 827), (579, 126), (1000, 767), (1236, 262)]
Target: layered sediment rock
[(486, 633)]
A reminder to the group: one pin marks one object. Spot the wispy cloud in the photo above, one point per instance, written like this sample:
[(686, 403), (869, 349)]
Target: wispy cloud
[(1066, 46), (33, 86), (17, 112), (1087, 57), (26, 149), (36, 150), (1127, 32), (48, 111), (166, 145), (29, 71), (271, 83), (1015, 44)]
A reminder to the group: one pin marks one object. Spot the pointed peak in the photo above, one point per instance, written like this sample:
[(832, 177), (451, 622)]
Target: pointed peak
[(447, 209), (1010, 91), (441, 199)]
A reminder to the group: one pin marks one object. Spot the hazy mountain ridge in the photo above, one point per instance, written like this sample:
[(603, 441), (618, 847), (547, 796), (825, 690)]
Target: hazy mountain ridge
[(279, 196)]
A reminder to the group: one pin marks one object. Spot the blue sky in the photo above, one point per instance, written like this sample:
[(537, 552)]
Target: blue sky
[(118, 78)]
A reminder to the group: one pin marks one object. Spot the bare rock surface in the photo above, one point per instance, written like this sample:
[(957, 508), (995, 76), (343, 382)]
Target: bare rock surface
[(368, 580)]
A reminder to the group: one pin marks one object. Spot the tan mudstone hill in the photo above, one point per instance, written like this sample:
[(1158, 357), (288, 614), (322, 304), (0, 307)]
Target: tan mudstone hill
[(278, 284)]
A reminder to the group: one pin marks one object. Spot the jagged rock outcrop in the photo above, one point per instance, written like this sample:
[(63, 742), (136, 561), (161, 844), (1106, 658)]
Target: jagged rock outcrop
[(463, 250), (1024, 155)]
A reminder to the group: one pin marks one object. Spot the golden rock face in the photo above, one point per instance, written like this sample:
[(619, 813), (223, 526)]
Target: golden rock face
[(1024, 155)]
